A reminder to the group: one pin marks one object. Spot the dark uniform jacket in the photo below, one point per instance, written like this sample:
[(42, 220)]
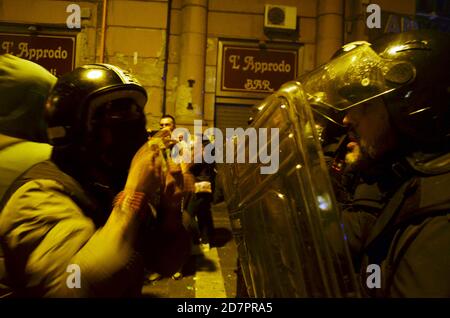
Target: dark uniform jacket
[(46, 227), (409, 240)]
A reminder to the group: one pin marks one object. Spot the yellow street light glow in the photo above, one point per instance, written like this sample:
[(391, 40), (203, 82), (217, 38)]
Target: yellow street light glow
[(94, 74), (395, 49)]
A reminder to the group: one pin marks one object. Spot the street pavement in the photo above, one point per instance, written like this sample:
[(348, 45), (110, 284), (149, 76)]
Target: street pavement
[(211, 275)]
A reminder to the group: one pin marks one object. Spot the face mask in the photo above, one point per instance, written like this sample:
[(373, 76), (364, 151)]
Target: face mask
[(118, 132)]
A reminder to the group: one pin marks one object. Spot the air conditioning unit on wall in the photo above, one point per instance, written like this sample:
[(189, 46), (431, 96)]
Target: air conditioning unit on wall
[(280, 18)]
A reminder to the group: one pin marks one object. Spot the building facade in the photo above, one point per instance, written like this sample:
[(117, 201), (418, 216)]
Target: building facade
[(192, 55)]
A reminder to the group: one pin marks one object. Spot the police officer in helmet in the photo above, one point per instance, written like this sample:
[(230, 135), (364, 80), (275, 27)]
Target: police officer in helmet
[(393, 96), (96, 124), (83, 213)]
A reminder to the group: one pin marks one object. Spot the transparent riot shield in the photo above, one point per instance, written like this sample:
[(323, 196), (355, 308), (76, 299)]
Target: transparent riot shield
[(286, 224)]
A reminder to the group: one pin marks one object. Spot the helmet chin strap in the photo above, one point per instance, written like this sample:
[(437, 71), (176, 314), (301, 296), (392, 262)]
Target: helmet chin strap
[(102, 184), (105, 176), (87, 169)]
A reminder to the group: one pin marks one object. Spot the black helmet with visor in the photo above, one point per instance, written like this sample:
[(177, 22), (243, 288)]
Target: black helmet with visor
[(96, 122), (408, 70)]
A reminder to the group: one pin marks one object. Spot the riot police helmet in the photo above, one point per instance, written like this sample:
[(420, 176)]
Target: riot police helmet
[(409, 71), (96, 116)]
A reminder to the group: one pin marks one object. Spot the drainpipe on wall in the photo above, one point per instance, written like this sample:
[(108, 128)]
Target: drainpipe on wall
[(329, 29), (190, 90), (166, 58), (103, 31)]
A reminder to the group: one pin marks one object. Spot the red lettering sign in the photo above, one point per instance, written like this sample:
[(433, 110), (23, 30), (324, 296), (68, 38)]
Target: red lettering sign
[(54, 52), (256, 70)]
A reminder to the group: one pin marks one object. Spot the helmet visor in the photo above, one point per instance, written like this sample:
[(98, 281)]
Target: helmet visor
[(353, 78), (117, 132)]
